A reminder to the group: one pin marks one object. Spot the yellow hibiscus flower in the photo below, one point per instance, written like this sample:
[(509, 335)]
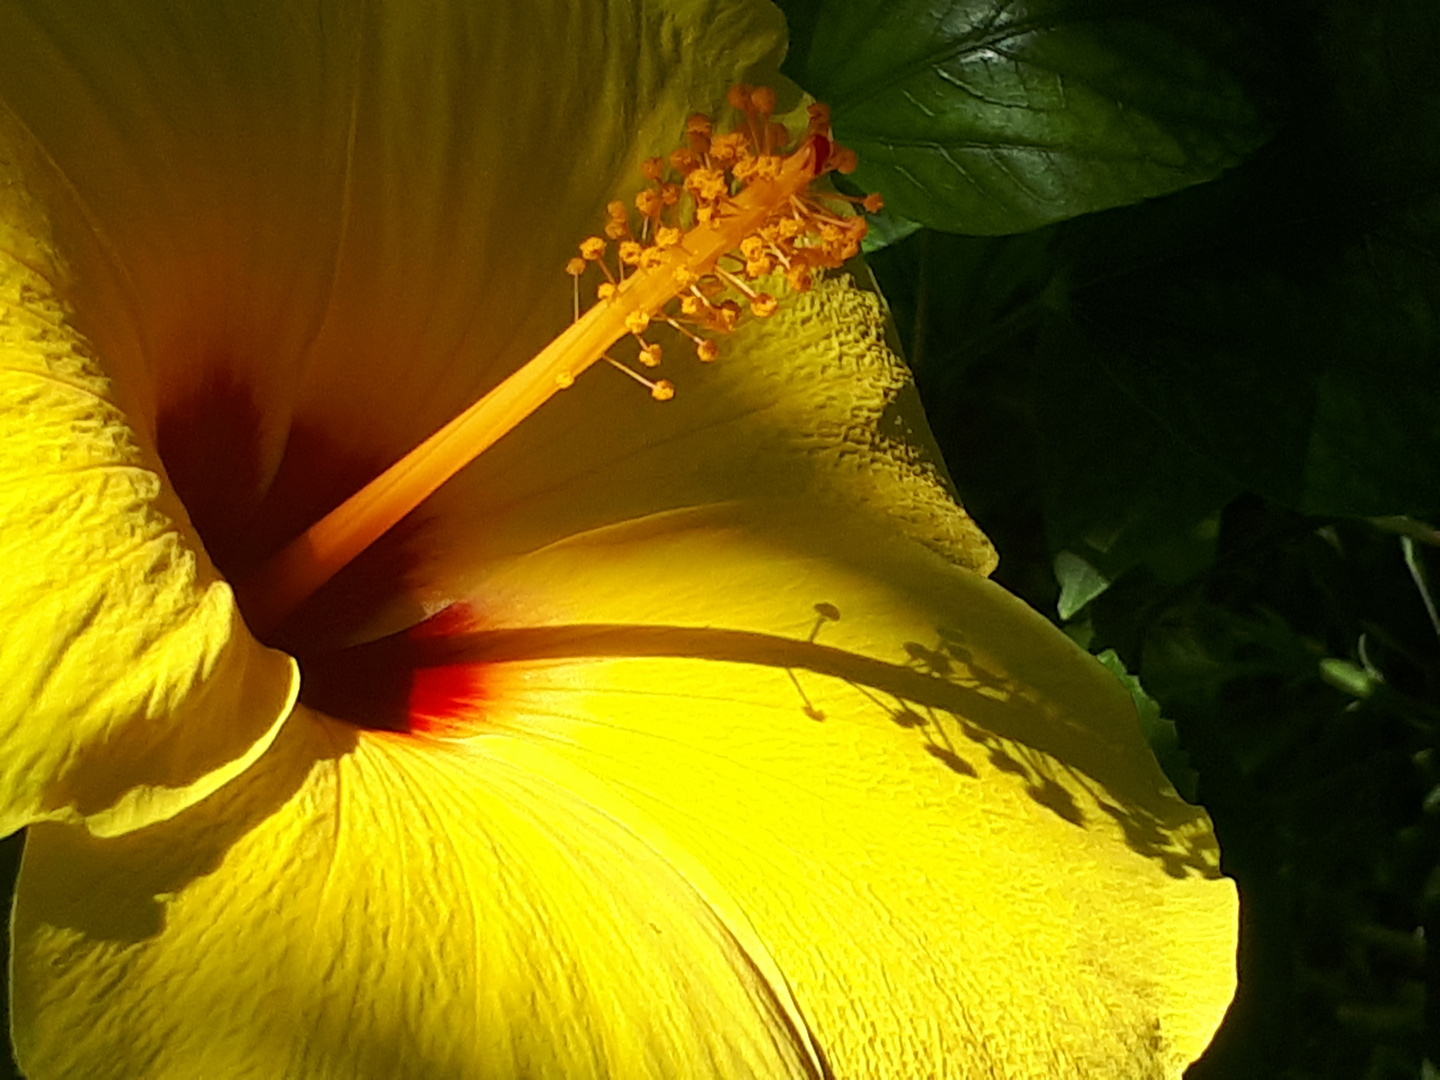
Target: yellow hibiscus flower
[(664, 741)]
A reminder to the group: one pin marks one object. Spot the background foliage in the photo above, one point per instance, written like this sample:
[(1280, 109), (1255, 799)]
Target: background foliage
[(1168, 273), (1169, 278)]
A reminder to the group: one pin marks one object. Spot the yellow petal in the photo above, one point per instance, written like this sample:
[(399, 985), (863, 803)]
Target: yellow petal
[(305, 235), (940, 816), (297, 201), (929, 830), (481, 175), (376, 906), (810, 409), (129, 687)]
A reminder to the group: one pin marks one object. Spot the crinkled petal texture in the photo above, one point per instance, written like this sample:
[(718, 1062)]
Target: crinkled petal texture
[(728, 762), (129, 688)]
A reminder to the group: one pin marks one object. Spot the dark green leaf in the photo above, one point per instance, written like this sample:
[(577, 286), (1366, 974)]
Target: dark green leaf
[(887, 229), (1118, 483), (1284, 325), (987, 116), (1079, 583)]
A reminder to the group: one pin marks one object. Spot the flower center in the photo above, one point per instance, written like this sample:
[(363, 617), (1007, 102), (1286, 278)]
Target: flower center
[(729, 211)]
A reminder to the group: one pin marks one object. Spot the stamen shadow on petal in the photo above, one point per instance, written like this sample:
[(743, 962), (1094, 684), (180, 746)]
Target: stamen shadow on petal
[(1031, 738)]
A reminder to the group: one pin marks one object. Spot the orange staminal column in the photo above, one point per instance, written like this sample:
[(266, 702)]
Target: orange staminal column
[(768, 191)]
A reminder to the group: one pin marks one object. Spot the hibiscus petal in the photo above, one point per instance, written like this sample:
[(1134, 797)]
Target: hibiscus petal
[(195, 159), (370, 905), (492, 136), (939, 815), (810, 408), (129, 687), (296, 202), (886, 807), (303, 236)]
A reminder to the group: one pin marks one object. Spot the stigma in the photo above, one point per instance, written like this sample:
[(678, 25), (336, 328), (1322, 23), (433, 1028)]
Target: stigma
[(721, 230)]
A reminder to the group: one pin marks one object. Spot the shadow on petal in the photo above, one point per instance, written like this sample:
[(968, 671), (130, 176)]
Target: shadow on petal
[(938, 696), (134, 910)]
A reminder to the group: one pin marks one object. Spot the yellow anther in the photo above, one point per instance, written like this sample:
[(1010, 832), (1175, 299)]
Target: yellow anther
[(650, 203), (727, 315), (739, 97), (763, 98), (651, 355), (667, 236), (606, 290), (651, 257), (707, 351), (751, 247), (575, 267), (662, 390), (767, 167), (683, 160), (801, 277), (764, 305), (789, 228), (707, 184), (704, 214), (729, 147), (630, 253), (670, 194), (616, 210), (874, 202), (843, 160), (684, 276), (617, 230), (759, 267), (691, 305), (698, 124), (592, 248), (652, 168), (637, 322)]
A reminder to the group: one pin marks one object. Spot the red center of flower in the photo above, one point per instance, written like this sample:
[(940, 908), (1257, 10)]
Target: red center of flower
[(209, 441), (317, 550)]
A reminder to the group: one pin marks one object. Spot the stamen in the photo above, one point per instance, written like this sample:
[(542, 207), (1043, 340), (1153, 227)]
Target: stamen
[(660, 389), (760, 205), (575, 267), (702, 345)]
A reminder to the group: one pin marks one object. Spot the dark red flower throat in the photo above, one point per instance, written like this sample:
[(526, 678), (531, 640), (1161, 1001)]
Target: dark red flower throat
[(209, 441)]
